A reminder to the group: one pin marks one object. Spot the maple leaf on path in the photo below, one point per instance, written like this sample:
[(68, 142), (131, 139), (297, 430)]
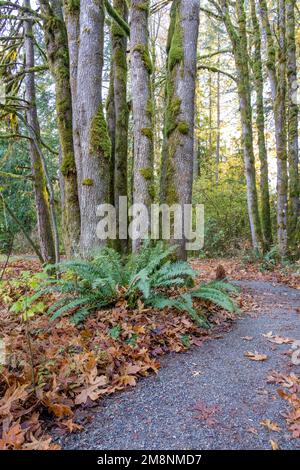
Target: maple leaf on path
[(92, 391), (13, 438), (206, 413), (277, 339), (255, 356), (267, 423), (274, 445)]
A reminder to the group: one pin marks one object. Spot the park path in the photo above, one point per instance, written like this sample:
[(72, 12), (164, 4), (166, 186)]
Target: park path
[(212, 397)]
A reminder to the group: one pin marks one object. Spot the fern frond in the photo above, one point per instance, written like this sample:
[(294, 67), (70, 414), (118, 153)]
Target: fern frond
[(215, 296), (223, 286)]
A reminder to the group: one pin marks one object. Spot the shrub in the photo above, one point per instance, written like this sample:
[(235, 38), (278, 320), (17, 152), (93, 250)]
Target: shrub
[(85, 286)]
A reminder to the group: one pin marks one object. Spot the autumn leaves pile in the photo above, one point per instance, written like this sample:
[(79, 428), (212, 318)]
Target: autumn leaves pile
[(54, 371)]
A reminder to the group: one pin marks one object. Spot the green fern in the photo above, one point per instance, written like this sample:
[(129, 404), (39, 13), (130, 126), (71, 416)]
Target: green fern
[(215, 296), (85, 286)]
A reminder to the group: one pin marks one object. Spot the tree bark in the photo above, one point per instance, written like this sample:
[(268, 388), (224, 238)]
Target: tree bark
[(177, 166), (47, 245), (121, 112), (71, 14), (260, 123), (293, 112), (95, 145), (141, 70), (277, 78), (239, 42), (58, 59)]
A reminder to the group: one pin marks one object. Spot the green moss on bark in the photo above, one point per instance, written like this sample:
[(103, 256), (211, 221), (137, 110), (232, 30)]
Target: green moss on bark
[(175, 40), (88, 182), (147, 173), (144, 51), (172, 112), (99, 138), (147, 132), (145, 6), (183, 127)]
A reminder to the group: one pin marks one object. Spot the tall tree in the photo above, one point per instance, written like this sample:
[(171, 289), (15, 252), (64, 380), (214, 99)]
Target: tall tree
[(293, 114), (177, 165), (92, 143), (58, 58), (276, 66), (260, 124), (238, 37), (45, 229), (119, 89), (141, 70), (71, 15)]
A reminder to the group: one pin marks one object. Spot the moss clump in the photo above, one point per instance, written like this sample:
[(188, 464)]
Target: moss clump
[(183, 127), (88, 182), (147, 173), (147, 132), (150, 108), (144, 51), (172, 112), (175, 40), (143, 6), (99, 138), (72, 5), (68, 164), (151, 191)]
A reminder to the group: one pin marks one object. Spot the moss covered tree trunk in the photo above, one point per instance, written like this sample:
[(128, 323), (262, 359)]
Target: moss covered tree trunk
[(277, 77), (178, 155), (260, 123), (293, 148), (238, 37), (95, 146), (141, 70), (47, 244), (119, 77), (58, 58), (111, 126), (71, 15)]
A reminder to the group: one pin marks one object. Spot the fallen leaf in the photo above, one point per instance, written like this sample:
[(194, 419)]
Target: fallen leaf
[(247, 338), (274, 445), (255, 356), (295, 429), (71, 426), (267, 423), (253, 431), (277, 339)]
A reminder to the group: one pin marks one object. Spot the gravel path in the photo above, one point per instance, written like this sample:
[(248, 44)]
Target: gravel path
[(216, 378)]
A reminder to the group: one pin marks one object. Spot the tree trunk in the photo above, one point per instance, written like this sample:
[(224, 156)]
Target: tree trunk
[(260, 123), (58, 58), (46, 238), (111, 126), (95, 144), (293, 149), (119, 65), (177, 167), (240, 51), (278, 90), (71, 14), (141, 70)]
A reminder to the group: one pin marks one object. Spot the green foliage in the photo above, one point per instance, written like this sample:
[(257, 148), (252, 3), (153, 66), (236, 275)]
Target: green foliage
[(215, 296), (147, 276)]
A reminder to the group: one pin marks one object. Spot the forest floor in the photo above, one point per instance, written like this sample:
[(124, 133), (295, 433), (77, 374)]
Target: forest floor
[(213, 397), (235, 386)]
